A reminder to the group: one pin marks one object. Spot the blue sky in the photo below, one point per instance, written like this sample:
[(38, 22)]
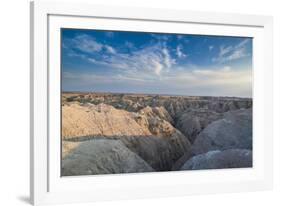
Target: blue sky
[(138, 62)]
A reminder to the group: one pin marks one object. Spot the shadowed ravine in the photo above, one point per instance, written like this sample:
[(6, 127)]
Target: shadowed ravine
[(127, 133)]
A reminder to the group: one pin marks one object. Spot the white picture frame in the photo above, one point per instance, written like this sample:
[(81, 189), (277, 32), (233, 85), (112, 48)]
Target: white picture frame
[(47, 186)]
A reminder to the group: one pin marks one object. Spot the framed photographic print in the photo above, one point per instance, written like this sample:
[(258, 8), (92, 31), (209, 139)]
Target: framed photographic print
[(134, 103)]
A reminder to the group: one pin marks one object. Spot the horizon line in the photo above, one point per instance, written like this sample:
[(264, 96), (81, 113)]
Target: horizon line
[(159, 94)]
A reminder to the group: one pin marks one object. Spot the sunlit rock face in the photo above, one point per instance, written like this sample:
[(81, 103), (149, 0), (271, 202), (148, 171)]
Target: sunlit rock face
[(98, 120)]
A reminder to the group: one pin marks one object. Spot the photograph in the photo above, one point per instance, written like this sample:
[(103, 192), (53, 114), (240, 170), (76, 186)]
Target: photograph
[(138, 102)]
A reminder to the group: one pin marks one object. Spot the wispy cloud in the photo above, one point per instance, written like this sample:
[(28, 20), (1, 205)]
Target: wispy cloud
[(110, 49), (179, 52), (160, 37), (87, 44), (153, 60), (223, 81), (157, 66), (230, 53)]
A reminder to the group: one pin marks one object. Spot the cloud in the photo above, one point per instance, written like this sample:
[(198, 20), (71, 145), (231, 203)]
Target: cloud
[(150, 60), (86, 44), (230, 53), (157, 67), (243, 43), (168, 61), (72, 53), (225, 50), (110, 49), (179, 52), (224, 81), (161, 37), (152, 68)]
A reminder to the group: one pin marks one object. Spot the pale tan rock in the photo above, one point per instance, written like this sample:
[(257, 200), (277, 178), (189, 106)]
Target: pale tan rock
[(100, 120), (145, 133), (160, 112)]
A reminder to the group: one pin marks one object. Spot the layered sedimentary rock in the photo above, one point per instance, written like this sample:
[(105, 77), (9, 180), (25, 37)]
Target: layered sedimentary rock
[(234, 130), (154, 139), (159, 153), (160, 112), (98, 120), (181, 161), (103, 157), (232, 158), (193, 121), (175, 105), (104, 133), (68, 147)]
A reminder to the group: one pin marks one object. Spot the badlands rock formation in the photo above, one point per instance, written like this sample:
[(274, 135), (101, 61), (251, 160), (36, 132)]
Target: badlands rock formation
[(215, 159), (98, 120), (234, 130), (119, 133), (159, 153), (145, 133), (175, 105), (193, 121), (103, 157), (159, 112)]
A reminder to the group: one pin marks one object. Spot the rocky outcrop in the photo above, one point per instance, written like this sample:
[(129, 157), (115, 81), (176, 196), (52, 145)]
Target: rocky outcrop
[(103, 157), (167, 144), (233, 131), (193, 121), (160, 112), (175, 105), (121, 133), (154, 139), (68, 147), (180, 162), (159, 152), (232, 158), (98, 120)]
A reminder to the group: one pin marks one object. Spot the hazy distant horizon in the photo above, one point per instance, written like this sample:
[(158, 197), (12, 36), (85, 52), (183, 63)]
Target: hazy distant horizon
[(161, 64), (139, 93)]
